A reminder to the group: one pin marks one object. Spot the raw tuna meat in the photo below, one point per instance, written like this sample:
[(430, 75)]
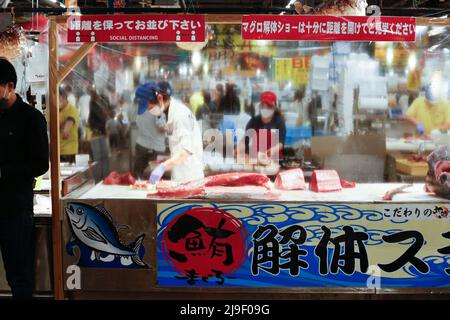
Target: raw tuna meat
[(389, 195), (438, 177), (115, 178), (199, 188), (290, 180), (237, 179), (325, 181), (189, 189), (348, 184)]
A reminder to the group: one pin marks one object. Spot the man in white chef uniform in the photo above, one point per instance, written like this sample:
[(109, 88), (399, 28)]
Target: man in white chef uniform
[(185, 139)]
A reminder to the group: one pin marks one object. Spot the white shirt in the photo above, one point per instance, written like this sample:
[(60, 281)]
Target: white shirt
[(149, 135), (71, 99), (84, 103), (184, 133)]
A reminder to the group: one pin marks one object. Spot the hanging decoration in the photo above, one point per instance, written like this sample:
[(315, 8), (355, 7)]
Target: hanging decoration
[(12, 42)]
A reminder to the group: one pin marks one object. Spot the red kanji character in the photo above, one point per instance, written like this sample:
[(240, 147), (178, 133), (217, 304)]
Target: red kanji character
[(252, 26), (288, 27), (152, 25), (330, 27), (185, 25), (316, 27), (195, 24), (259, 27), (162, 24), (108, 25), (273, 27), (337, 28), (308, 27), (129, 24), (97, 25), (175, 24), (301, 27), (344, 28), (140, 25)]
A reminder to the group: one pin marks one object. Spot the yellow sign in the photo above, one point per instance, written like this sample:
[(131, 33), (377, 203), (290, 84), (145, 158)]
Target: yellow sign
[(295, 69)]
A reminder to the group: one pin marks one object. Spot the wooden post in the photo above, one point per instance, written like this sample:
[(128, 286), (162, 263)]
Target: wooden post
[(53, 63), (77, 57), (56, 76)]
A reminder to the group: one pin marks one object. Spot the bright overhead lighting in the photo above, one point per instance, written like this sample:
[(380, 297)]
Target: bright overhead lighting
[(412, 61), (389, 56), (196, 59)]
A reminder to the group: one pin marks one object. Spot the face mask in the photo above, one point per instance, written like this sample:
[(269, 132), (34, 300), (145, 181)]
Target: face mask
[(4, 101), (267, 113), (156, 111)]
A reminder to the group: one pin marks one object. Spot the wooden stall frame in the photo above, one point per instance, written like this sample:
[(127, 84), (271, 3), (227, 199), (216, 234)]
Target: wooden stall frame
[(57, 75)]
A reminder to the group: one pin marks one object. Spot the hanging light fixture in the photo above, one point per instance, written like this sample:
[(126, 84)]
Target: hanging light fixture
[(12, 42)]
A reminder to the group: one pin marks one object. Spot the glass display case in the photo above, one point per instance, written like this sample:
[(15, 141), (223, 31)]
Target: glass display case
[(316, 176)]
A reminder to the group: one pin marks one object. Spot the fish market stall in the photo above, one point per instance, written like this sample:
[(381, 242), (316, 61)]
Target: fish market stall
[(159, 247), (323, 219)]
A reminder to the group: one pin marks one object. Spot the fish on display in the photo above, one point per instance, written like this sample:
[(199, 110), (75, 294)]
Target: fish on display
[(93, 226), (438, 177)]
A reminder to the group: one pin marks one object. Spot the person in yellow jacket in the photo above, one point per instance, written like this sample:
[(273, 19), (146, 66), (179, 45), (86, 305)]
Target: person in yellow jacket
[(429, 112), (68, 123)]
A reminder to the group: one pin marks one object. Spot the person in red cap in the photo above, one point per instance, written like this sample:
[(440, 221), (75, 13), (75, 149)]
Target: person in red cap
[(270, 129)]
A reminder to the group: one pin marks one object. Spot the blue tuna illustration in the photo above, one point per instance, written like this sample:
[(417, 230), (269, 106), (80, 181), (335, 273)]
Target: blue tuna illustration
[(93, 226)]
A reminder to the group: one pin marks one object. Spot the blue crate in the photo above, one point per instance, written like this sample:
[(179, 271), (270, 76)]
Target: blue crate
[(294, 134), (226, 125)]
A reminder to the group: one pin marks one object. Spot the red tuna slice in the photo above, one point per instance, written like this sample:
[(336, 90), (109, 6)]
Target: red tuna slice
[(237, 179), (197, 188), (112, 179), (189, 189), (325, 181), (127, 179), (179, 193), (348, 184), (290, 180)]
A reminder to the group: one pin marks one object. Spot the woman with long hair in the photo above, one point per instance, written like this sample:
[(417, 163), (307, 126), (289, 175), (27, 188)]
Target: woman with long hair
[(230, 104)]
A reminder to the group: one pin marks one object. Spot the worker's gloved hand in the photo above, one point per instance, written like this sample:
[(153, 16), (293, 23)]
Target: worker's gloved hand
[(420, 129), (263, 159), (157, 173)]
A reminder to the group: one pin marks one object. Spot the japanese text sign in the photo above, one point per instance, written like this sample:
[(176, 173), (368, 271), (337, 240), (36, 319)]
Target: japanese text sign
[(328, 28), (136, 28), (369, 245)]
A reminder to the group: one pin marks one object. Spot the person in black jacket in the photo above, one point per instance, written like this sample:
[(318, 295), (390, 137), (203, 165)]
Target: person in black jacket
[(98, 116), (230, 103), (24, 155)]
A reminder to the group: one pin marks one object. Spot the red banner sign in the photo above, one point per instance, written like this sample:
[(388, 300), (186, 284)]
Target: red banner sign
[(328, 28), (136, 28)]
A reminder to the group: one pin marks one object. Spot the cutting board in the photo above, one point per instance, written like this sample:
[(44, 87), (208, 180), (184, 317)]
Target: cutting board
[(413, 168)]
